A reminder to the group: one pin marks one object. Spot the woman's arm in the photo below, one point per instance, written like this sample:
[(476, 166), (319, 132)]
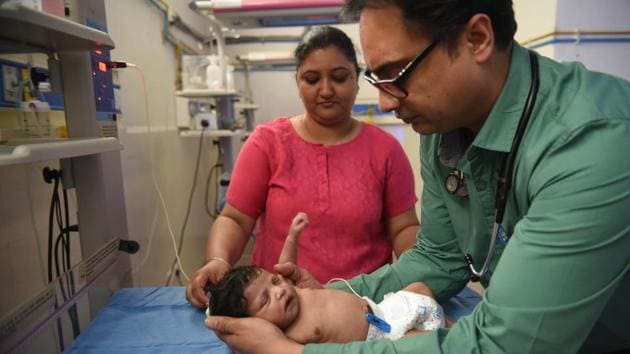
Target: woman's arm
[(402, 229), (227, 239), (229, 234)]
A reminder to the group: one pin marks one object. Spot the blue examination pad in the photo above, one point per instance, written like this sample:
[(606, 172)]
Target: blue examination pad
[(160, 320), (148, 320), (461, 304)]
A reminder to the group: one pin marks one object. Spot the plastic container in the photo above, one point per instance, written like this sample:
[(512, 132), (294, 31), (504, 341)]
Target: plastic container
[(230, 78), (214, 79), (35, 119), (194, 72)]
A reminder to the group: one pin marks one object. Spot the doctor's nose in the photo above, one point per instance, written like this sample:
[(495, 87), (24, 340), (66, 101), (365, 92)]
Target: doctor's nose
[(387, 102)]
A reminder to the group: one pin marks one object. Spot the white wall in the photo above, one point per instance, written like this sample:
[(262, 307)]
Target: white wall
[(585, 15)]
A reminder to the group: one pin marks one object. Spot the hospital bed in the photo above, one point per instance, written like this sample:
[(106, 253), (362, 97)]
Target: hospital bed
[(160, 320)]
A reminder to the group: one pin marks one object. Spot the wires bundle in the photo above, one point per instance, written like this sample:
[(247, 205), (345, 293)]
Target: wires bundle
[(63, 273)]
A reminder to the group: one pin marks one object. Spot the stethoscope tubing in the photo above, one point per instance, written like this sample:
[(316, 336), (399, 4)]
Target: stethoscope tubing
[(504, 182)]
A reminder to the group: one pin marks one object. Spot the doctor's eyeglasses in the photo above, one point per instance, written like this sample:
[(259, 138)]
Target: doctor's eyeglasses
[(394, 87)]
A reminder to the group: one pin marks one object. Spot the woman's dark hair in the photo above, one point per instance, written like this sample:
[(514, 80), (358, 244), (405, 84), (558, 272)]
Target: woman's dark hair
[(226, 298), (321, 37), (445, 19)]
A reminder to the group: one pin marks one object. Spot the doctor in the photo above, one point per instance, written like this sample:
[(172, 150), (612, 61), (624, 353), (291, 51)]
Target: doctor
[(526, 186)]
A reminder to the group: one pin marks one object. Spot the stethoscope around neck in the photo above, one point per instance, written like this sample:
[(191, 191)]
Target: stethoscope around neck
[(454, 182)]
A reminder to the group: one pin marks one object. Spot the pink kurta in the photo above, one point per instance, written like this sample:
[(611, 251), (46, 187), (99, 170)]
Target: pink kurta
[(347, 190)]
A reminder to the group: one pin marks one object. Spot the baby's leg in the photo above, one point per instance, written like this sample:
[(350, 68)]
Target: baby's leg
[(290, 248)]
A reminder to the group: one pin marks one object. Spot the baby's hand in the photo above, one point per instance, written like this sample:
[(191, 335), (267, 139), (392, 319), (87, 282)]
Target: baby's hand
[(289, 251), (299, 223)]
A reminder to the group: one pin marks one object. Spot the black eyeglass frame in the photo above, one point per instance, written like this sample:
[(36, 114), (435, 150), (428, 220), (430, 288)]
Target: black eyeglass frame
[(398, 81)]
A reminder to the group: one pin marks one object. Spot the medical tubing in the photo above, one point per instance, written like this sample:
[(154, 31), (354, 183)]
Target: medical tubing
[(155, 182), (189, 206), (347, 284)]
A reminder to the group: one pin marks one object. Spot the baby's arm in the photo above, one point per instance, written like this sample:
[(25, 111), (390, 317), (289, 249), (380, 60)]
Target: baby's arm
[(290, 248)]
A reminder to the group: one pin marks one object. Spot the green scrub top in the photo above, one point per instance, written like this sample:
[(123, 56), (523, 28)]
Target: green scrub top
[(561, 283)]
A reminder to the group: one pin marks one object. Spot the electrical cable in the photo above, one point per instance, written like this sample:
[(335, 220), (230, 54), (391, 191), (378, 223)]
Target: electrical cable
[(57, 213), (190, 198), (138, 269), (116, 64), (72, 311), (217, 167), (52, 176)]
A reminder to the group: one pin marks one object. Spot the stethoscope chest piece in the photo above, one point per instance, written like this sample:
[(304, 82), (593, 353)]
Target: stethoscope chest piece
[(454, 184)]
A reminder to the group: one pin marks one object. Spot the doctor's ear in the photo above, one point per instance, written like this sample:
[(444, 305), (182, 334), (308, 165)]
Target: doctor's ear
[(479, 37)]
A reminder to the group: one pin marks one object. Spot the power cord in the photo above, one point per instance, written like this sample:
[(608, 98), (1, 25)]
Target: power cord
[(215, 171), (204, 126), (119, 65), (63, 273)]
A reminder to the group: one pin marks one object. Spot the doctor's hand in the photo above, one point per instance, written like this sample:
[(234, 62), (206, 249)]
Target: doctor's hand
[(300, 276), (210, 273), (252, 335)]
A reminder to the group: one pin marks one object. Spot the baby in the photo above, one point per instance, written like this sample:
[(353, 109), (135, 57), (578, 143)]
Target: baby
[(322, 315)]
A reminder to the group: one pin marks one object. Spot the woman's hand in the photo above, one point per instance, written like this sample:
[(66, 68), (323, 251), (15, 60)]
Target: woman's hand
[(252, 335), (210, 273), (300, 276)]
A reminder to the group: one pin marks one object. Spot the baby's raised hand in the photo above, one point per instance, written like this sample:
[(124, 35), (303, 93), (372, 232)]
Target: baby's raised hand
[(290, 249), (299, 223)]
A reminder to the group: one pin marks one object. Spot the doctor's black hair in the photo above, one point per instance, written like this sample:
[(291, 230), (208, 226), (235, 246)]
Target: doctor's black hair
[(445, 19), (227, 296), (321, 37)]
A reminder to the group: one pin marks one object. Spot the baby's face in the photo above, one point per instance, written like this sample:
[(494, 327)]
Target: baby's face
[(272, 298)]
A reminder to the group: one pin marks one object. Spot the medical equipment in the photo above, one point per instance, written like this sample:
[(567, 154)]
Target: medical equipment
[(268, 13), (504, 181), (454, 184)]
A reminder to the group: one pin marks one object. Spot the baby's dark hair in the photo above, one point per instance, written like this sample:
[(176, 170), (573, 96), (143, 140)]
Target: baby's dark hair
[(227, 297)]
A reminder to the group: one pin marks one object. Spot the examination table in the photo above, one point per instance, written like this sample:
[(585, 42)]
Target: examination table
[(160, 320)]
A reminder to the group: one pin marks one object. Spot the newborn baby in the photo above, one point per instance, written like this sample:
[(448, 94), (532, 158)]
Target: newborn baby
[(322, 315)]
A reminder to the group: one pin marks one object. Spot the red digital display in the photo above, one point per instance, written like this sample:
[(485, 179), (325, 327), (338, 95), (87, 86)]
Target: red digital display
[(102, 67)]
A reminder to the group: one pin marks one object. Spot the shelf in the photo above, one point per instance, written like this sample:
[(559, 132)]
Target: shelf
[(245, 106), (221, 133), (24, 30), (13, 154), (205, 93)]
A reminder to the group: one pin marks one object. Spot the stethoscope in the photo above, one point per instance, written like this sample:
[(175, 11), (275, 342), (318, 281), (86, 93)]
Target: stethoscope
[(454, 182)]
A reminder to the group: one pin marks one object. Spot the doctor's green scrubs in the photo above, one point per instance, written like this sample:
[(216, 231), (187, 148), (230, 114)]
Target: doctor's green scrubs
[(561, 283)]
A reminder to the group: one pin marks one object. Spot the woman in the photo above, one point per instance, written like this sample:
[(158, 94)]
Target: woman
[(353, 180)]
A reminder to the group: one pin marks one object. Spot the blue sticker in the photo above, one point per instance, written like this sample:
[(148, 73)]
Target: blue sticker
[(502, 236), (378, 322)]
